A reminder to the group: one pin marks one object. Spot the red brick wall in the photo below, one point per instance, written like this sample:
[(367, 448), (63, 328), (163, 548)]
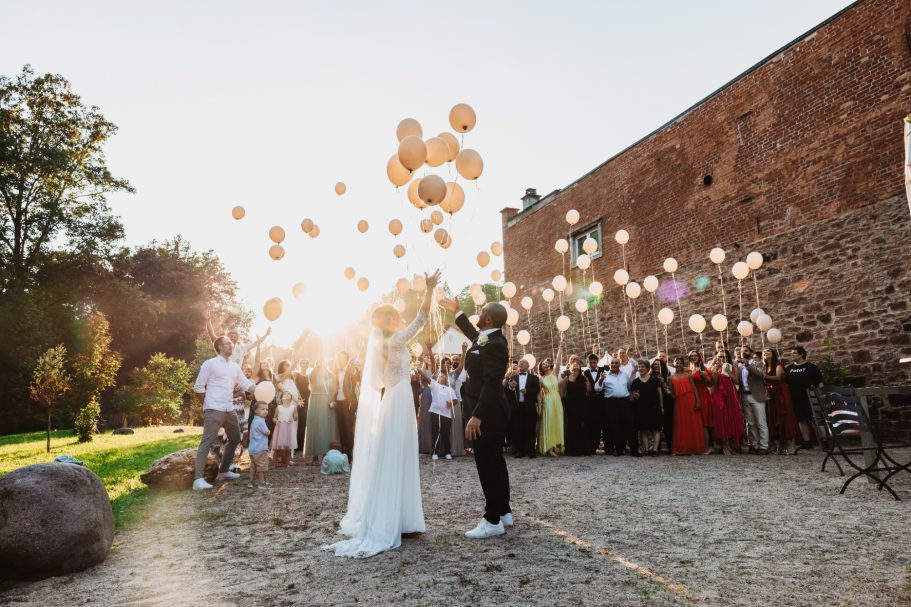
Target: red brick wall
[(806, 156)]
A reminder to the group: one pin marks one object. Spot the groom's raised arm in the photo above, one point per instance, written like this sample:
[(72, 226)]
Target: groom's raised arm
[(465, 326), (494, 357)]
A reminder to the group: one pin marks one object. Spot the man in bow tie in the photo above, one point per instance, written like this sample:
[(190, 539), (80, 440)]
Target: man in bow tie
[(525, 392)]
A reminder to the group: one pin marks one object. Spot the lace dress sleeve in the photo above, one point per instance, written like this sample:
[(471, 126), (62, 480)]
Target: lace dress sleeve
[(408, 333)]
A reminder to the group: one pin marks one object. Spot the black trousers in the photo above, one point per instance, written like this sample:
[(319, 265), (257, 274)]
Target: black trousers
[(525, 424), (344, 417), (623, 426), (301, 425), (668, 422), (441, 427), (467, 411), (488, 457), (599, 424)]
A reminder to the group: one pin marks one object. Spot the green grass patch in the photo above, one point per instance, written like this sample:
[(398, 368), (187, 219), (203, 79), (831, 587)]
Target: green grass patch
[(117, 460)]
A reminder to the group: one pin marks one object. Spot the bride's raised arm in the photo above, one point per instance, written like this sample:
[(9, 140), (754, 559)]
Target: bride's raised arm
[(420, 320)]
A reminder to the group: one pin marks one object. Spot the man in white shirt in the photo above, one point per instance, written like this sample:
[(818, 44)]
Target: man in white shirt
[(240, 350), (627, 364), (215, 386), (614, 385)]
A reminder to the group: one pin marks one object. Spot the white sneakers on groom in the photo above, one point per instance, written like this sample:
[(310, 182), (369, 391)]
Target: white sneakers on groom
[(487, 529)]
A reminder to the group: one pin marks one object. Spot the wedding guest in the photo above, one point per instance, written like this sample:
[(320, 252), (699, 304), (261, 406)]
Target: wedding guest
[(647, 398), (334, 461), (782, 423), (802, 376), (614, 387), (574, 390), (753, 396), (689, 438), (348, 381), (627, 364), (704, 381), (728, 418), (425, 427), (285, 383), (442, 402), (284, 439), (240, 349), (603, 361), (457, 380), (662, 373), (321, 422), (596, 420), (550, 438), (258, 447), (523, 388), (663, 357), (302, 381)]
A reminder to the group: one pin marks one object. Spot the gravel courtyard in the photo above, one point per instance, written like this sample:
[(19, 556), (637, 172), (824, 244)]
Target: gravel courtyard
[(713, 530)]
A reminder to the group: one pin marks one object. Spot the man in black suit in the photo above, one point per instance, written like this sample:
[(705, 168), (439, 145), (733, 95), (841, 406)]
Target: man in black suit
[(596, 422), (524, 388), (485, 362), (302, 381)]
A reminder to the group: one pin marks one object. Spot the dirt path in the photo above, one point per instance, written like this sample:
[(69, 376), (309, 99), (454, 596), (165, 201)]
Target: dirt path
[(589, 531)]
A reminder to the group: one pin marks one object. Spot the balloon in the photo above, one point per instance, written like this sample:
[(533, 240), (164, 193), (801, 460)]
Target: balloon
[(363, 284), (436, 217), (572, 217), (716, 255), (764, 322), (621, 277), (277, 234), (590, 245), (238, 212), (548, 295), (523, 337), (469, 164), (496, 248), (276, 252), (697, 323), (745, 328), (395, 227), (740, 270), (462, 117), (479, 298), (412, 152), (426, 226), (483, 259), (432, 189), (408, 126), (650, 283), (417, 349), (413, 197), (665, 316), (403, 285), (633, 290), (584, 262), (512, 317), (596, 288), (527, 302), (363, 226), (622, 237), (755, 313), (719, 322), (340, 188), (454, 199), (670, 265), (441, 235), (561, 246), (399, 305), (475, 289), (272, 309), (398, 250), (396, 173), (754, 260), (264, 392), (581, 306), (474, 318), (419, 284), (298, 290), (314, 232), (349, 273), (531, 360), (562, 323), (559, 283), (774, 336), (452, 143), (496, 275), (307, 226), (437, 151), (509, 290)]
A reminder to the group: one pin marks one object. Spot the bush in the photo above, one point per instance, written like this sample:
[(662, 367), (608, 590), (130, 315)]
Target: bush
[(86, 423), (155, 392)]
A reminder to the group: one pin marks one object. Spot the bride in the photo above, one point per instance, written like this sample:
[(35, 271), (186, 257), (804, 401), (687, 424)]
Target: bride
[(384, 499)]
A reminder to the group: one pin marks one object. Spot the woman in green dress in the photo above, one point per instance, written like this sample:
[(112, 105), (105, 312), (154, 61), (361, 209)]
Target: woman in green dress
[(321, 425), (550, 438)]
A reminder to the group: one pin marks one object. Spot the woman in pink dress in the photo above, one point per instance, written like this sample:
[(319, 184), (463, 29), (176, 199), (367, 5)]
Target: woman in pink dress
[(688, 438), (705, 381), (727, 415)]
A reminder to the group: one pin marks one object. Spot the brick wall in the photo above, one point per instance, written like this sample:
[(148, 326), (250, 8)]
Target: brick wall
[(805, 154)]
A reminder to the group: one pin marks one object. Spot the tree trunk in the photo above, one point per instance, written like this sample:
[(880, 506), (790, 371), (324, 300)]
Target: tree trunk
[(48, 429), (124, 425)]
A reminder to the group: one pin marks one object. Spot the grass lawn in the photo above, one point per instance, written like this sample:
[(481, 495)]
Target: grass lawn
[(117, 460)]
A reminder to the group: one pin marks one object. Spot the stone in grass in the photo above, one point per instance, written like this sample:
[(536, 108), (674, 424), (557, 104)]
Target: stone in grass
[(54, 519), (178, 431), (123, 431), (177, 470)]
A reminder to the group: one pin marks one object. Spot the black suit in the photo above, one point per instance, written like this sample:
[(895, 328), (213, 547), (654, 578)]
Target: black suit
[(486, 398), (597, 421), (525, 414), (303, 386)]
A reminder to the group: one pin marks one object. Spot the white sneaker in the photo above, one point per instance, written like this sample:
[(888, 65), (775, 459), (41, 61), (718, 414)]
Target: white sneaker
[(448, 456), (506, 519), (485, 529), (201, 484), (229, 476), (435, 457)]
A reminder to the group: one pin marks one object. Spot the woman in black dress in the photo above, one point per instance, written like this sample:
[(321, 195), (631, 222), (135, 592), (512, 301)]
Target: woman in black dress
[(574, 391), (663, 374), (647, 394)]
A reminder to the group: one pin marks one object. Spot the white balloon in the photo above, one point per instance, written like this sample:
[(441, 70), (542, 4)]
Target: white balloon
[(298, 290), (512, 317), (475, 289), (745, 328), (774, 336), (764, 322), (509, 290), (756, 313), (719, 322), (561, 246), (596, 288), (417, 349), (665, 316), (697, 323), (523, 337), (399, 305), (474, 318), (716, 255), (740, 270), (754, 260), (548, 295), (622, 237), (408, 126), (479, 299), (670, 265), (264, 392), (562, 323), (419, 284), (584, 262), (496, 275), (581, 305), (633, 290), (650, 283), (527, 302), (559, 283), (621, 277), (590, 245), (572, 217), (530, 358)]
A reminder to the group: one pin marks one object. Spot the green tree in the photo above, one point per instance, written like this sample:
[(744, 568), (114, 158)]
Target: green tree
[(155, 392), (50, 382), (95, 369), (53, 175)]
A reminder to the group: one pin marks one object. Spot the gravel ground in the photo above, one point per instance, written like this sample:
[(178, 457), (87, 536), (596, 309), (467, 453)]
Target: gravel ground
[(713, 530)]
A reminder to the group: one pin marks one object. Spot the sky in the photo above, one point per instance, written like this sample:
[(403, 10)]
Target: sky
[(267, 105)]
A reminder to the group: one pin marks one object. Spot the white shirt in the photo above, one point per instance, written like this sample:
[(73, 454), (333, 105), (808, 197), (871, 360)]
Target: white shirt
[(441, 396), (341, 384), (614, 386), (217, 378), (631, 368), (457, 384), (240, 350), (605, 360)]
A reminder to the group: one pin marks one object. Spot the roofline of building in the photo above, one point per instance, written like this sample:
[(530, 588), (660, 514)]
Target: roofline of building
[(702, 101)]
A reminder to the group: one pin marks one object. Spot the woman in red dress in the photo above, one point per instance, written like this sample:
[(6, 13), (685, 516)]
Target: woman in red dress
[(688, 435), (782, 422), (704, 381)]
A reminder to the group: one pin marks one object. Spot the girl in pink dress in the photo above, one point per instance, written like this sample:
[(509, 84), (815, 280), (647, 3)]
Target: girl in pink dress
[(284, 437)]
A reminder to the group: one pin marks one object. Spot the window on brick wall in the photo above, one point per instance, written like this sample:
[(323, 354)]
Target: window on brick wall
[(591, 231)]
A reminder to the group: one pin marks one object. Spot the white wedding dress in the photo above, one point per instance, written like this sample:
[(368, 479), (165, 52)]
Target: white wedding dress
[(384, 498)]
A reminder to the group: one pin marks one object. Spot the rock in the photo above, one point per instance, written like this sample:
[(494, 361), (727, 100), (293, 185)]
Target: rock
[(124, 431), (54, 519), (177, 470), (178, 431)]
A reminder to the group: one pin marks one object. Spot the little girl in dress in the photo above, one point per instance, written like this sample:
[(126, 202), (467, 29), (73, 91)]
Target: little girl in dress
[(284, 438)]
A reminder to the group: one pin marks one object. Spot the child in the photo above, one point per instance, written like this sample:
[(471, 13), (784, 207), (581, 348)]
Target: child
[(285, 438), (258, 448), (442, 402), (334, 462)]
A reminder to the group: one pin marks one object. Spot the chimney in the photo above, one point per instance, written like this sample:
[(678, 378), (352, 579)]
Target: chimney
[(530, 198)]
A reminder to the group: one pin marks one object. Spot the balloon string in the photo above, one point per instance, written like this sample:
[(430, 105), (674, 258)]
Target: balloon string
[(625, 318), (550, 324), (679, 311), (655, 318), (666, 347), (740, 298), (756, 285), (724, 304)]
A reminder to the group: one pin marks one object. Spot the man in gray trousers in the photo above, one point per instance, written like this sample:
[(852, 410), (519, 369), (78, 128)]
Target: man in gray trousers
[(218, 378), (753, 398)]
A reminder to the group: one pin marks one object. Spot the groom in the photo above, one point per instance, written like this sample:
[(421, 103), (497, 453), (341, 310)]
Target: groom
[(485, 362)]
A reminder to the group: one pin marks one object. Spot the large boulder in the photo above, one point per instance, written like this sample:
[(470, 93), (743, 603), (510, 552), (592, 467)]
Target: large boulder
[(54, 519), (178, 470)]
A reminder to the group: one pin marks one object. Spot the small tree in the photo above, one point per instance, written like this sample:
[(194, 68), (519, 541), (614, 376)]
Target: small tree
[(155, 392), (94, 371), (49, 382)]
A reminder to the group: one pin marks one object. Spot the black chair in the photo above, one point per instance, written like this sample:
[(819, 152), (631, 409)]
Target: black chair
[(845, 418)]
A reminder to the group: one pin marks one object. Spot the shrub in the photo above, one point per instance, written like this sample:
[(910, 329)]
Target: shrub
[(86, 422), (155, 392)]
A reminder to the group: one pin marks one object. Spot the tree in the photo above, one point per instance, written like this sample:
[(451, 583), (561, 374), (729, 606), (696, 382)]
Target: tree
[(95, 369), (49, 382), (155, 392), (53, 175)]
